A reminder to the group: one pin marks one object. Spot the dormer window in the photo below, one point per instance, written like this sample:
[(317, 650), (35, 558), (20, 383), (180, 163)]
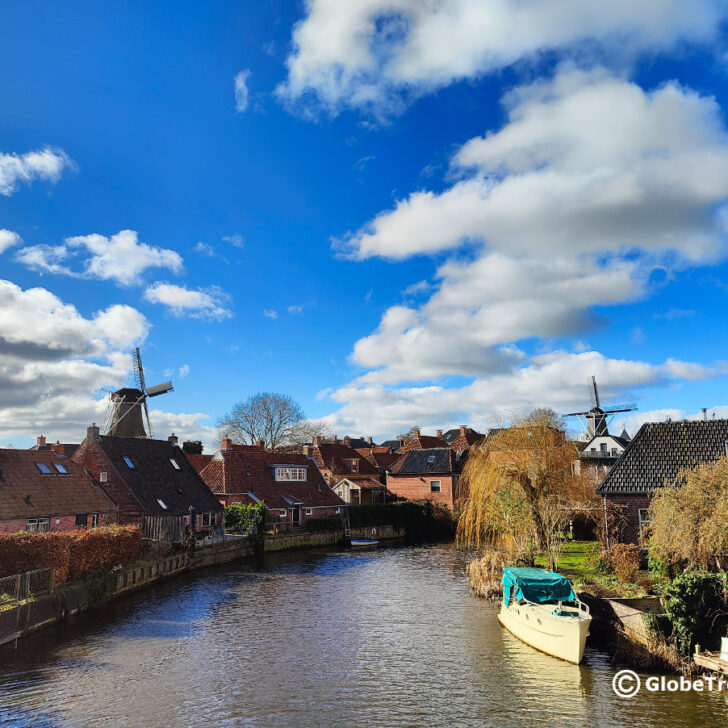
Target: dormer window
[(175, 464), (290, 474), (431, 459), (44, 468), (354, 466), (128, 462)]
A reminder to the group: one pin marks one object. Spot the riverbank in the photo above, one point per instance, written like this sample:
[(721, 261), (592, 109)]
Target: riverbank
[(96, 591)]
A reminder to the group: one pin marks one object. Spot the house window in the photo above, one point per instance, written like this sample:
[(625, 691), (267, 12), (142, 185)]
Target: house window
[(60, 468), (435, 486), (208, 519), (81, 520), (354, 466), (175, 465), (643, 515), (44, 468), (290, 473), (603, 446), (103, 477), (162, 503), (128, 462), (309, 511), (284, 513), (94, 520), (38, 525), (337, 511), (431, 459)]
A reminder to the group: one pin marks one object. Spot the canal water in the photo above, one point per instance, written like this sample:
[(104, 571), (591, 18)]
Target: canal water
[(389, 637)]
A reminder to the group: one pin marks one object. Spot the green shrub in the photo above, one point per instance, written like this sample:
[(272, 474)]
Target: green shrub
[(318, 525)]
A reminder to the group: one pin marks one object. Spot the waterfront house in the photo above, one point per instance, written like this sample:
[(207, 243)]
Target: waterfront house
[(289, 484), (655, 456), (338, 460), (361, 491), (427, 474), (423, 442), (153, 483), (598, 455), (42, 490)]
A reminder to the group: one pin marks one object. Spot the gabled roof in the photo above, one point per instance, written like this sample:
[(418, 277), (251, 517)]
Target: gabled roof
[(154, 477), (198, 461), (26, 492), (251, 475), (392, 444), (379, 457), (63, 448), (363, 483), (441, 461), (331, 456), (357, 442), (467, 440), (660, 449), (471, 435), (423, 442)]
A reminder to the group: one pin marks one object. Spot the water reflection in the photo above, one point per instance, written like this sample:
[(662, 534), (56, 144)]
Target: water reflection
[(382, 638)]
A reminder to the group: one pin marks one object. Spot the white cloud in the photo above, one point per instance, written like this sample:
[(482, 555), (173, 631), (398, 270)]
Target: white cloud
[(379, 54), (295, 310), (122, 258), (205, 249), (585, 163), (210, 303), (44, 164), (270, 313), (236, 240), (8, 239), (241, 90), (183, 371)]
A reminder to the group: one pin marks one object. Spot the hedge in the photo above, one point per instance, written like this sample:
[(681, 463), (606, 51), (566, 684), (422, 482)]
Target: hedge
[(319, 525), (420, 519), (72, 553)]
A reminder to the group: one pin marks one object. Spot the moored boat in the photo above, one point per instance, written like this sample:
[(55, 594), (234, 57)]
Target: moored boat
[(540, 608), (360, 542)]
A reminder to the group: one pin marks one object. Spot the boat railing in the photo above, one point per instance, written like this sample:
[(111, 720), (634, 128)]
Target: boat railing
[(560, 606)]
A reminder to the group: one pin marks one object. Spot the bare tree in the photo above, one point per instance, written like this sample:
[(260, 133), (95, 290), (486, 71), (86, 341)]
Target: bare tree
[(264, 416), (304, 431)]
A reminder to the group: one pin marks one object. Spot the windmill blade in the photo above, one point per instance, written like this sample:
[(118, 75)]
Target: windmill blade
[(630, 407), (593, 391), (150, 433), (138, 369), (575, 414)]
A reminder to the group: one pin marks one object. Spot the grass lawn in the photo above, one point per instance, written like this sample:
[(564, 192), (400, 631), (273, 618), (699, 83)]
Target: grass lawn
[(579, 562)]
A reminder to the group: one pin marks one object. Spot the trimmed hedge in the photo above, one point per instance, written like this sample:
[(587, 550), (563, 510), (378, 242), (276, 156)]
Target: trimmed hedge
[(318, 525), (72, 553), (420, 519)]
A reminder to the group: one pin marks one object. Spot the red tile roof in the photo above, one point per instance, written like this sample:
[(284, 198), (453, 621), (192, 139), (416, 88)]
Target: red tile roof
[(331, 456), (379, 457), (198, 461), (423, 442), (240, 472), (26, 492), (466, 441)]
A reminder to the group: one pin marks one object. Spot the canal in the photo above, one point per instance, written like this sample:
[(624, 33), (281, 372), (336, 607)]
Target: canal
[(388, 637)]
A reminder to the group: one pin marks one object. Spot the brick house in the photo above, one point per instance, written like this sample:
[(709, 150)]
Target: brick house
[(338, 460), (428, 474), (43, 490), (289, 484), (153, 483), (361, 491), (423, 442), (655, 456)]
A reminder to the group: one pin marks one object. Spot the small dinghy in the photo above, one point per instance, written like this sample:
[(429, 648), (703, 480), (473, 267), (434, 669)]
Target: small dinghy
[(540, 608), (364, 542)]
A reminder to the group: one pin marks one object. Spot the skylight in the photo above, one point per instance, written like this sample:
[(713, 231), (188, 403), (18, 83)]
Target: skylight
[(431, 459), (175, 465), (44, 468), (60, 468), (160, 501), (129, 463)]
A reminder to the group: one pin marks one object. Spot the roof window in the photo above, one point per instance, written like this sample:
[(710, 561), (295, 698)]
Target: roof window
[(44, 468), (162, 503), (431, 459), (60, 468), (175, 464), (128, 462)]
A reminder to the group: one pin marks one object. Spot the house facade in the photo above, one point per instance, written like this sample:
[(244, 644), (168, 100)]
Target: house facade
[(426, 474), (337, 460), (365, 491), (289, 484), (153, 484), (41, 490), (654, 457)]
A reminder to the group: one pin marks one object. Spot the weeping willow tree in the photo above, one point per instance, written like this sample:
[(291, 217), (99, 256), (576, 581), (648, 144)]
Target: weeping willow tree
[(520, 487)]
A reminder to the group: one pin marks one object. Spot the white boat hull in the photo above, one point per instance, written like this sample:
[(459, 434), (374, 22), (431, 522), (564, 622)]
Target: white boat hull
[(537, 625)]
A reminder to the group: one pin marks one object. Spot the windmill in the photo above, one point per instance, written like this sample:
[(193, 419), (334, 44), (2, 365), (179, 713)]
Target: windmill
[(597, 419), (124, 418)]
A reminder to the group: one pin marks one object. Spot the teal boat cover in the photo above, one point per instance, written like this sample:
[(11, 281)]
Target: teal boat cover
[(535, 585)]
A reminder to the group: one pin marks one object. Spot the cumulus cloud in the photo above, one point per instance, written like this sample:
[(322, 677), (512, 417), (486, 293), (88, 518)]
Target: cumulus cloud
[(585, 163), (209, 303), (295, 310), (45, 164), (121, 258), (270, 313), (377, 55), (183, 371), (8, 239), (236, 240), (240, 83)]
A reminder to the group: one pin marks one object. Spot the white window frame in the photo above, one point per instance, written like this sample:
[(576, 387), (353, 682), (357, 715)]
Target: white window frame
[(47, 467), (209, 517), (94, 520), (439, 486), (337, 511), (162, 503), (285, 473), (33, 525), (61, 468), (283, 513), (309, 511), (103, 477), (175, 464)]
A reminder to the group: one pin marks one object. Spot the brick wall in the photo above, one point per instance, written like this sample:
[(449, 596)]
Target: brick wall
[(57, 523), (630, 508), (417, 487)]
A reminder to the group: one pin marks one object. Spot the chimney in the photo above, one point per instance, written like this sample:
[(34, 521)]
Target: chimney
[(92, 433), (417, 434), (439, 433), (260, 444), (336, 438), (226, 444), (58, 449), (347, 441), (41, 441), (306, 449), (173, 439), (463, 428), (704, 410), (317, 441), (371, 441)]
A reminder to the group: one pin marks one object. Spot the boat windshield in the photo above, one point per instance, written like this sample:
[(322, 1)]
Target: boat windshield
[(535, 585)]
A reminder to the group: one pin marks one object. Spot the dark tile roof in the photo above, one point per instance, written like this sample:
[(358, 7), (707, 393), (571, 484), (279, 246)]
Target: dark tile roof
[(25, 492), (417, 462), (64, 448), (392, 444), (154, 477), (471, 435), (239, 472), (660, 449), (357, 442)]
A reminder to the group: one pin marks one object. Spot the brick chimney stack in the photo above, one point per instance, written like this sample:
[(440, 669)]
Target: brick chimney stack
[(58, 449), (260, 444), (226, 444), (306, 450), (417, 434), (317, 441), (336, 438), (371, 441), (173, 439), (92, 433), (463, 428), (41, 441), (347, 441), (439, 433)]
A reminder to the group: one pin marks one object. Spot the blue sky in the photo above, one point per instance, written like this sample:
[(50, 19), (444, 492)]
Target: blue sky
[(403, 217)]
